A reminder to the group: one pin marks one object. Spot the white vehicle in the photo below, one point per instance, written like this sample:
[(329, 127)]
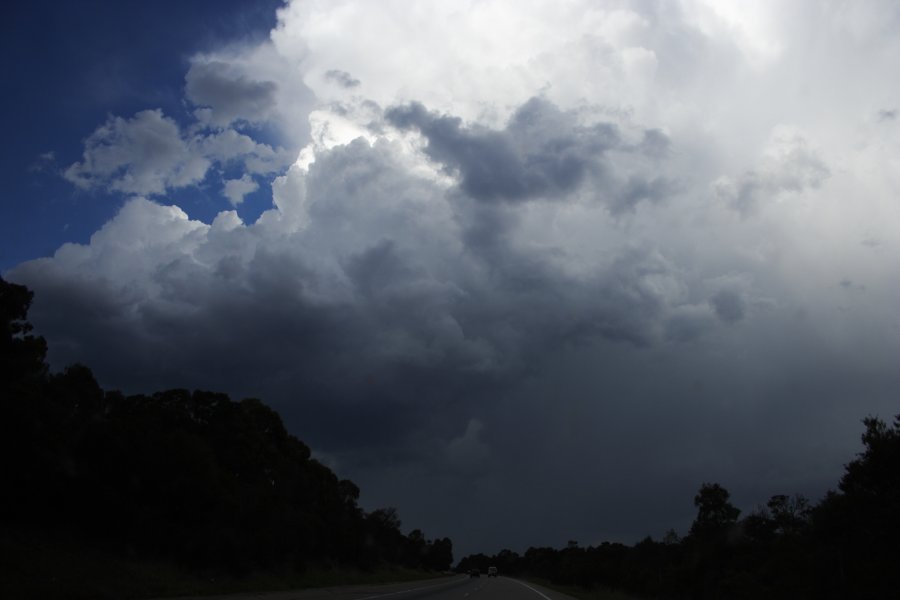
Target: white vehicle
[(492, 571)]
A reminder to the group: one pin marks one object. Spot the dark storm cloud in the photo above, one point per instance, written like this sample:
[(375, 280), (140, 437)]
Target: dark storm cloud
[(729, 306), (655, 143), (687, 325), (611, 442), (350, 378), (397, 293), (542, 153), (640, 189)]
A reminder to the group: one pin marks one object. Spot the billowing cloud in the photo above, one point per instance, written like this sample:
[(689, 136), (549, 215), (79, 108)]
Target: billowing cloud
[(542, 152), (249, 88), (523, 261), (142, 155)]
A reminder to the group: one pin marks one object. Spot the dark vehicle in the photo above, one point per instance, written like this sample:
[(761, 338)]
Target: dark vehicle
[(474, 573), (492, 571)]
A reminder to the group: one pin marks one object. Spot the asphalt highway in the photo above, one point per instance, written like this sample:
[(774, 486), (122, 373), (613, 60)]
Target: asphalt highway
[(477, 588), (452, 588)]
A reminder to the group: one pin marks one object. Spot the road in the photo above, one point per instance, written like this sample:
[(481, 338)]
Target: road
[(453, 588)]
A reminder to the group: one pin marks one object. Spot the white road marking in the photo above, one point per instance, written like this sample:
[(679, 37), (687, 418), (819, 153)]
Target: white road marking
[(541, 594)]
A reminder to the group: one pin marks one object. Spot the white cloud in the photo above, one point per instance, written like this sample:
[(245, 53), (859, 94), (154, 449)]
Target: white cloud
[(150, 154), (484, 59), (142, 155), (229, 146), (236, 189), (251, 85), (789, 166)]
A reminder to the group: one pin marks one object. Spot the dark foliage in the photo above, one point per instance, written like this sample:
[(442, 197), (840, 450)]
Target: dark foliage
[(846, 547), (193, 477)]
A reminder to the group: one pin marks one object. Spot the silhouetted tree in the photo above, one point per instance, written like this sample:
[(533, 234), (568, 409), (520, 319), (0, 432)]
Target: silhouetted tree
[(714, 512), (386, 542), (789, 514), (22, 354), (846, 547), (507, 561), (192, 477), (414, 548), (478, 561), (439, 555), (29, 427), (859, 526)]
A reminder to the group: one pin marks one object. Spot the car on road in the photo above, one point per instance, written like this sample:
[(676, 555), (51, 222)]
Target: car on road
[(492, 571), (474, 573)]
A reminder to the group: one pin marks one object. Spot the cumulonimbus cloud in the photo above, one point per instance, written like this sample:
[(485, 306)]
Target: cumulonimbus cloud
[(583, 222)]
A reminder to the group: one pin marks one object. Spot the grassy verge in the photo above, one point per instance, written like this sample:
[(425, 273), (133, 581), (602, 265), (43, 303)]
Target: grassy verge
[(37, 567)]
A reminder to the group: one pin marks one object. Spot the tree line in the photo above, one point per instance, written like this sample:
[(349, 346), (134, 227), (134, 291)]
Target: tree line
[(192, 477), (847, 546)]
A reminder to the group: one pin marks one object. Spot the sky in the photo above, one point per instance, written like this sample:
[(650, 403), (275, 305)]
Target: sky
[(529, 272)]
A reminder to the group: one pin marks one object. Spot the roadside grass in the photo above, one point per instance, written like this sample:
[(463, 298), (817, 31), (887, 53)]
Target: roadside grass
[(37, 567), (595, 593)]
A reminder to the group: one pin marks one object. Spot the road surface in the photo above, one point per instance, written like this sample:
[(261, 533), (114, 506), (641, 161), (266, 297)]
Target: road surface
[(460, 587)]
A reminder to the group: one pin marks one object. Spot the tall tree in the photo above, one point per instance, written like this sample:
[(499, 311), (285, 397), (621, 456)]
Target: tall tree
[(22, 354), (28, 426), (789, 514), (860, 525), (439, 556), (714, 511)]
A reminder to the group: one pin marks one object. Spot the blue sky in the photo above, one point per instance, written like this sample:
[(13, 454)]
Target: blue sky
[(529, 273), (67, 66)]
